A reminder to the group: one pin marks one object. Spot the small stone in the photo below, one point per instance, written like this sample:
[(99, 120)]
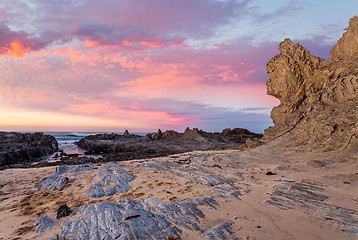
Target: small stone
[(171, 237), (270, 173), (65, 180), (172, 199), (63, 211)]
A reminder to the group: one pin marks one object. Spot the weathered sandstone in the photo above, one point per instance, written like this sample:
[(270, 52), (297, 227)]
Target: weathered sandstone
[(319, 98)]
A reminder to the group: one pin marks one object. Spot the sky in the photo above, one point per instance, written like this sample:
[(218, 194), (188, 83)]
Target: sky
[(141, 65)]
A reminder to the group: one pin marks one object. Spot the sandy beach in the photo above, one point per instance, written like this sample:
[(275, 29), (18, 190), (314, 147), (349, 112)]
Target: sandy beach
[(297, 181), (329, 184)]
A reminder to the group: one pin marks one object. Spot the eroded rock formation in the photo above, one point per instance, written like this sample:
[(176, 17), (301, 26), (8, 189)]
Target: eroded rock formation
[(319, 98)]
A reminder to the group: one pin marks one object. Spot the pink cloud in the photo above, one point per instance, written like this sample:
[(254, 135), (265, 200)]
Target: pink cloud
[(18, 43), (14, 43), (126, 37), (128, 24), (152, 63)]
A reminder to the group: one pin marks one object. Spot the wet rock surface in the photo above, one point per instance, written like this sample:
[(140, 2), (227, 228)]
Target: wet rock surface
[(130, 146), (18, 148)]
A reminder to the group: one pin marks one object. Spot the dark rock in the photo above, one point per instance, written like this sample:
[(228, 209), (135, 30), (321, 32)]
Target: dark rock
[(18, 148), (130, 217), (63, 211), (239, 135), (72, 155), (158, 135), (126, 133), (270, 173), (116, 147)]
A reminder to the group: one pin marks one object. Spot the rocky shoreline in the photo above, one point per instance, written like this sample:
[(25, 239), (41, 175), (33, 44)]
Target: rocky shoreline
[(27, 150), (116, 147), (300, 182), (19, 149)]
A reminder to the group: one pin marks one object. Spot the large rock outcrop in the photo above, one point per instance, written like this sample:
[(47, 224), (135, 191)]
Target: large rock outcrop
[(25, 147), (131, 146), (319, 98)]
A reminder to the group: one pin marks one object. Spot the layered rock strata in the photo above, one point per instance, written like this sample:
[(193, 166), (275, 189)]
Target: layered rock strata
[(319, 98)]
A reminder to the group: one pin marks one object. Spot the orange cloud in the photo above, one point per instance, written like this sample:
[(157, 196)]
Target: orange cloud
[(17, 49)]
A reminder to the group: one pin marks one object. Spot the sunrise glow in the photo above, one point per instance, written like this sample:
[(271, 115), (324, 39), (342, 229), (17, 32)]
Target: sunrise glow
[(142, 65)]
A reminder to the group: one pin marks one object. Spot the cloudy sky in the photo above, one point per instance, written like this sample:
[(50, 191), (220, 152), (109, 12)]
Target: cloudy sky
[(110, 65)]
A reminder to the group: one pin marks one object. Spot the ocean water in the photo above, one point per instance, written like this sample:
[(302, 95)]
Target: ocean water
[(66, 141)]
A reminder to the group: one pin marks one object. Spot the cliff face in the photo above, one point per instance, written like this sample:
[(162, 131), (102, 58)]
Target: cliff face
[(319, 98)]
